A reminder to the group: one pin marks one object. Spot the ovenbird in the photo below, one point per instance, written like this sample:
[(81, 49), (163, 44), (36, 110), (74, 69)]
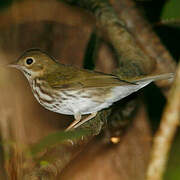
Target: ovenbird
[(68, 90)]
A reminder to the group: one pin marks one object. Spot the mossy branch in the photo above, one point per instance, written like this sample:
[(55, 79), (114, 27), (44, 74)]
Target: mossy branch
[(132, 60)]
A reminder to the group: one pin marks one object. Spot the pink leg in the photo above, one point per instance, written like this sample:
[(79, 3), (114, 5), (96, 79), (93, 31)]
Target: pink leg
[(77, 119), (92, 115)]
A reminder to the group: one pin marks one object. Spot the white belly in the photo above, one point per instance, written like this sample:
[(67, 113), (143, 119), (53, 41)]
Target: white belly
[(82, 101), (76, 103)]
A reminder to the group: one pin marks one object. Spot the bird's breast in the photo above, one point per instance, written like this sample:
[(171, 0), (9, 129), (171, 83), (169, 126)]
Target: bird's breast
[(69, 101), (42, 93)]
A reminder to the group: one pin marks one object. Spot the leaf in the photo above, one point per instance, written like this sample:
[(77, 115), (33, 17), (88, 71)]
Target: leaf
[(57, 138), (171, 10)]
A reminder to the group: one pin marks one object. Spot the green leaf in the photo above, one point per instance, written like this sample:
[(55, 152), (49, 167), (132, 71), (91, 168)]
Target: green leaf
[(57, 138), (171, 10)]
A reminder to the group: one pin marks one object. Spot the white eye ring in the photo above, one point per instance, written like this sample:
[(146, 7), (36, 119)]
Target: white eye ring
[(29, 61)]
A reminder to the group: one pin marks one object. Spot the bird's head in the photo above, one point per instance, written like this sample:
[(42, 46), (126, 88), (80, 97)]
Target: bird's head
[(34, 63)]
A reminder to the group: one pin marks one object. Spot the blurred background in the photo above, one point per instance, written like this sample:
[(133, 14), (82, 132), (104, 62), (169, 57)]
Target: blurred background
[(68, 34)]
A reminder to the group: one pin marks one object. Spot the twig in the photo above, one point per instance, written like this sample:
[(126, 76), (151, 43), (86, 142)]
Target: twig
[(164, 136)]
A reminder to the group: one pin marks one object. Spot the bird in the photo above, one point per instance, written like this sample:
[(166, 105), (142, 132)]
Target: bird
[(69, 90)]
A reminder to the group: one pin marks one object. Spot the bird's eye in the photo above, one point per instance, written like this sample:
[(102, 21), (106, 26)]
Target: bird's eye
[(29, 61)]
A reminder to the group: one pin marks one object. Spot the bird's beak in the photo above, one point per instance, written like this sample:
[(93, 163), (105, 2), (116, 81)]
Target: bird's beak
[(14, 65)]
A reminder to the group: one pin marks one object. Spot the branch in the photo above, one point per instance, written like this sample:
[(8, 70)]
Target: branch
[(164, 136), (132, 60), (146, 37), (58, 156)]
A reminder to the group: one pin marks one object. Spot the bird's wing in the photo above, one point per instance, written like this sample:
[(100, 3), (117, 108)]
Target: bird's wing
[(103, 80), (88, 79)]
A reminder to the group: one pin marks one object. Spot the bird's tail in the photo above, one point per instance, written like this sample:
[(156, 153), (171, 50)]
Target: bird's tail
[(155, 78)]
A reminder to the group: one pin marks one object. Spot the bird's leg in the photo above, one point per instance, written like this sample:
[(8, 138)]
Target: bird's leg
[(77, 119), (92, 115)]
